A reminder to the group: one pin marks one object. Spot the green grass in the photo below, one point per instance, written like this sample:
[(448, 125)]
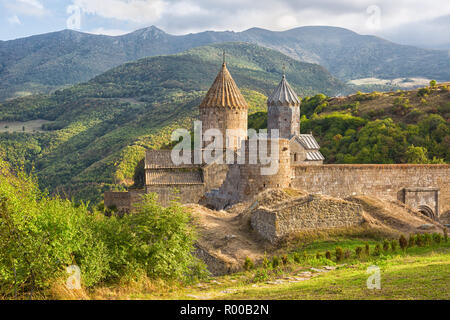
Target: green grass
[(418, 273)]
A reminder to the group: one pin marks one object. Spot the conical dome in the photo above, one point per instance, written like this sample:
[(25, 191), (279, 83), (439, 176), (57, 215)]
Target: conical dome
[(283, 95), (224, 92)]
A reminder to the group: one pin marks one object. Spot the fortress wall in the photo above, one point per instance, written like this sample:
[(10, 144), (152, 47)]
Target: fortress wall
[(123, 201), (383, 181), (309, 213), (251, 180), (188, 193), (214, 175)]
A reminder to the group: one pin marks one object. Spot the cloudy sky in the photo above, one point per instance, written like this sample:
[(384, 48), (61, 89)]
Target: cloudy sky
[(419, 22)]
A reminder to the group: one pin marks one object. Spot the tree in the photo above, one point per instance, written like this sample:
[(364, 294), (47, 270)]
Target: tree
[(433, 83), (416, 155)]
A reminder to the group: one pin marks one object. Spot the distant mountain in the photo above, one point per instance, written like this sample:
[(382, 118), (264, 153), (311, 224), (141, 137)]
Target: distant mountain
[(45, 62), (100, 128)]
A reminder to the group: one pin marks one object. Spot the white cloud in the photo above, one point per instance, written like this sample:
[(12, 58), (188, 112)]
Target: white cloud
[(33, 3), (138, 11), (108, 32), (26, 7), (14, 20)]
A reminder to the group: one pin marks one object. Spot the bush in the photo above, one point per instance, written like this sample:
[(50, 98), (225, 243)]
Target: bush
[(418, 240), (411, 241), (358, 252), (41, 236), (377, 251), (318, 255), (328, 255), (367, 249), (428, 239), (284, 259), (297, 257), (347, 253), (437, 238), (275, 262), (248, 264), (339, 254), (403, 242), (394, 244), (445, 235), (266, 263), (386, 245)]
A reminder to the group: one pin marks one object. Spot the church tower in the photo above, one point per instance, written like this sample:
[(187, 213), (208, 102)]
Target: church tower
[(284, 111), (224, 108)]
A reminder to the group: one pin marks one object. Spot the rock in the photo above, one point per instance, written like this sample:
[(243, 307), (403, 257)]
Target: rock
[(426, 227), (230, 236), (447, 225), (318, 270), (329, 268)]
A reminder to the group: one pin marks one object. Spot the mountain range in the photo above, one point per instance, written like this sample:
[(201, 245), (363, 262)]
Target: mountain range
[(42, 63)]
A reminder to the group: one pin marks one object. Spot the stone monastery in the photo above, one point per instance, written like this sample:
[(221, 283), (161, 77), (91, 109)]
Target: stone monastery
[(425, 188)]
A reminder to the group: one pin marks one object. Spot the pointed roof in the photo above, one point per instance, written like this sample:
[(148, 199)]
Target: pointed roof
[(283, 95), (224, 92)]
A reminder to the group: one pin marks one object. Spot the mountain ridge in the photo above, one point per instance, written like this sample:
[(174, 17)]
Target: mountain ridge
[(43, 63)]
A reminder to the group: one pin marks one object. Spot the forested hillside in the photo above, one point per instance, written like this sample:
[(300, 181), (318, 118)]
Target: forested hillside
[(99, 130), (46, 62)]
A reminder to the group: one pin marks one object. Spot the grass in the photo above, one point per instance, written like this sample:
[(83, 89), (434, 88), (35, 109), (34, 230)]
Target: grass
[(418, 273)]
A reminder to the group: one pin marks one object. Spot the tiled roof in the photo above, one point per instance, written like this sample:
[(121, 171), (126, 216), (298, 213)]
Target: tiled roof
[(161, 159), (308, 141), (283, 95), (314, 155), (172, 177), (224, 92)]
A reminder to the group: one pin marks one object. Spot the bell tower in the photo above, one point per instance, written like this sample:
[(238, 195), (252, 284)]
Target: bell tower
[(225, 108), (284, 110)]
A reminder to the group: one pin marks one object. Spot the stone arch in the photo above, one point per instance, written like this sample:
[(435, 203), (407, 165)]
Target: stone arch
[(427, 211)]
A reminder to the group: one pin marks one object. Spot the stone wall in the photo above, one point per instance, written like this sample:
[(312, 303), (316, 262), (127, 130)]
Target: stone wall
[(308, 213), (382, 181), (189, 193), (123, 201)]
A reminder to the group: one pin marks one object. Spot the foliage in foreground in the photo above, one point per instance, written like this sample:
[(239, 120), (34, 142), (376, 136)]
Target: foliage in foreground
[(41, 236)]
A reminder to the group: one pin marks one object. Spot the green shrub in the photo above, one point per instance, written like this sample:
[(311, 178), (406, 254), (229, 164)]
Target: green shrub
[(428, 239), (285, 259), (266, 262), (297, 258), (445, 235), (394, 244), (339, 254), (386, 245), (347, 254), (411, 241), (261, 275), (367, 249), (418, 240), (358, 252), (248, 264), (41, 236), (403, 242), (437, 238), (318, 255), (275, 262), (328, 255), (377, 250)]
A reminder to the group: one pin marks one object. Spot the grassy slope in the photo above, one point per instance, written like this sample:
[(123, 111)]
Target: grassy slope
[(101, 128), (420, 273)]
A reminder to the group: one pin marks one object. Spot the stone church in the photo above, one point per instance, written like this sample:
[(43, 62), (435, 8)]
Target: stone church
[(423, 187)]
